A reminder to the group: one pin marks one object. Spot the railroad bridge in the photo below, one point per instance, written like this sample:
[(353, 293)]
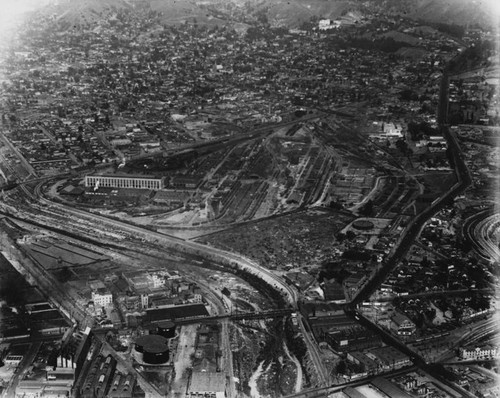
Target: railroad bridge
[(237, 316)]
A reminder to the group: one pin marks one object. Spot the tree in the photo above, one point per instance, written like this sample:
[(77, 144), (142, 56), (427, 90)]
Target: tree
[(341, 367), (340, 236), (350, 235), (367, 209)]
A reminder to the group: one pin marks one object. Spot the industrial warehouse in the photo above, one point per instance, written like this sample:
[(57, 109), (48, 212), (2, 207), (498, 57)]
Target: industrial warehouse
[(114, 181)]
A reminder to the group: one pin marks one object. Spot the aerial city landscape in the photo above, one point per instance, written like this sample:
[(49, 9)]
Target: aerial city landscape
[(250, 198)]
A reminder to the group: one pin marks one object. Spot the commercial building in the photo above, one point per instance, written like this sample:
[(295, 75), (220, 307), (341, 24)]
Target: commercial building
[(388, 357), (358, 357), (13, 360), (352, 339), (209, 384), (41, 389), (476, 353), (102, 298), (402, 325), (122, 386), (79, 347), (97, 381), (350, 392), (155, 315), (113, 181), (388, 388)]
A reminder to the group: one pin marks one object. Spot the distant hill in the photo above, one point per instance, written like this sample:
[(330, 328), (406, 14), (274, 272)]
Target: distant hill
[(84, 12), (459, 12), (292, 13), (88, 12), (179, 11), (289, 13)]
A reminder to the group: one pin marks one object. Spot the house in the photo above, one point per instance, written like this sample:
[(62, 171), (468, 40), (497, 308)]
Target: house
[(353, 283), (334, 292), (401, 324)]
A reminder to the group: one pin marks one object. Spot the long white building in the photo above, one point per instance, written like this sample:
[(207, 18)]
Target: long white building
[(124, 182)]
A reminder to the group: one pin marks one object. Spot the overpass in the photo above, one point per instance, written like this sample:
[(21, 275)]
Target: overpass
[(238, 316)]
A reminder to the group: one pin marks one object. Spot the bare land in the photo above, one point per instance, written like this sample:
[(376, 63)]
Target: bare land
[(303, 238)]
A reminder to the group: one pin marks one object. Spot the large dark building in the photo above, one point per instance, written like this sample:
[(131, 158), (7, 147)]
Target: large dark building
[(176, 312), (153, 347), (353, 339)]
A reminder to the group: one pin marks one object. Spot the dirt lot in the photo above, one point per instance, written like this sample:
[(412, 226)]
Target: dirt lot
[(302, 238)]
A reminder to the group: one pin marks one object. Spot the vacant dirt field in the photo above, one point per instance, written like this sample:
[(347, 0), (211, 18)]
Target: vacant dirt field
[(303, 238)]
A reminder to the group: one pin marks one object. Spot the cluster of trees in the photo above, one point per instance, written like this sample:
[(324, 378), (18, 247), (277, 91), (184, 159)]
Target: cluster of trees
[(450, 29), (264, 33), (333, 271), (472, 57), (386, 44), (358, 255), (344, 367), (418, 130), (297, 346), (279, 331)]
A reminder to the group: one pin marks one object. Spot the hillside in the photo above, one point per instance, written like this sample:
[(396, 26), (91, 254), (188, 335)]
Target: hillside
[(292, 13), (179, 11), (459, 12), (289, 13), (85, 12)]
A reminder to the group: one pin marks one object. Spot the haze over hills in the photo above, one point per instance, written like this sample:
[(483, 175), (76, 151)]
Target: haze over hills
[(87, 12), (460, 12), (83, 12), (288, 13)]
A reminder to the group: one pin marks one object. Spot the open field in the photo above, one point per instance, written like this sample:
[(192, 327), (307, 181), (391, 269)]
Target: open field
[(303, 238)]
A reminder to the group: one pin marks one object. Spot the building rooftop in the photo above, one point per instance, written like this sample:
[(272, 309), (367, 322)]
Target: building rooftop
[(176, 312), (389, 388), (350, 392), (207, 382), (389, 354)]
